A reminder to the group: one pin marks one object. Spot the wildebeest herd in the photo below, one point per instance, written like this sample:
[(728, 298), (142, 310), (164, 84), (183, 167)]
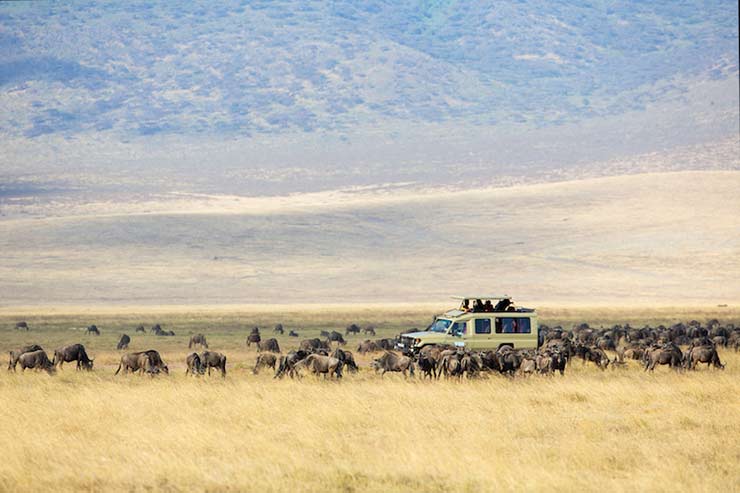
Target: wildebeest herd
[(680, 347)]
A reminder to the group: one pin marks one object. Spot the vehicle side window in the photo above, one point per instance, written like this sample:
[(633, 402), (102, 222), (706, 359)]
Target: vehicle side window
[(459, 328), (483, 326), (513, 326)]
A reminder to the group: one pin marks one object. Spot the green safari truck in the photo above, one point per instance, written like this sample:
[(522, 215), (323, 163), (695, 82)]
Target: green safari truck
[(480, 327)]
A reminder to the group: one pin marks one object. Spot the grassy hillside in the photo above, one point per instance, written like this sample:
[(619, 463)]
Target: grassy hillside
[(644, 239)]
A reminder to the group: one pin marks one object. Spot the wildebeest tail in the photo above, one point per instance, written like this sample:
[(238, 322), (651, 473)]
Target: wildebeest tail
[(119, 368)]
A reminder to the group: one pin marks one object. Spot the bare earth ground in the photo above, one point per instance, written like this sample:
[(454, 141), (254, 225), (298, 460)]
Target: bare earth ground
[(647, 239), (589, 430)]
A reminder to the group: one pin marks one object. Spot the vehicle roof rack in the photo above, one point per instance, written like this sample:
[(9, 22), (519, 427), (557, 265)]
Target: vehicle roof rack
[(482, 297)]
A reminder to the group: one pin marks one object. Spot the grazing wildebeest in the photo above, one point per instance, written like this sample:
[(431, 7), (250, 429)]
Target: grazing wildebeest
[(74, 352), (198, 339), (347, 359), (254, 337), (367, 346), (668, 354), (428, 365), (143, 361), (16, 353), (352, 329), (312, 345), (194, 365), (267, 360), (319, 364), (471, 364), (270, 345), (141, 328), (279, 329), (449, 363), (93, 329), (21, 326), (124, 342), (37, 360), (292, 333), (288, 362), (394, 362), (528, 366), (324, 333), (335, 336), (212, 359), (369, 329), (387, 344), (703, 354)]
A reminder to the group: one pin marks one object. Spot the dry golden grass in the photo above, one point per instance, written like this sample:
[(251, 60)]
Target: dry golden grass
[(589, 430)]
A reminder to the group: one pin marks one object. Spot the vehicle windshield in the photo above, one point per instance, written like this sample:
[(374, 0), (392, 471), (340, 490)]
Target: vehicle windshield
[(440, 325)]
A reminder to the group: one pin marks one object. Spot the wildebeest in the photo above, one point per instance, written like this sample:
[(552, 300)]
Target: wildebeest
[(16, 353), (368, 330), (194, 365), (324, 333), (266, 360), (279, 329), (123, 342), (292, 333), (21, 326), (74, 352), (148, 361), (335, 336), (198, 339), (393, 362), (93, 329), (212, 359), (288, 362), (270, 345), (141, 328), (347, 359), (352, 329), (367, 346), (312, 345), (668, 354), (387, 344), (320, 365), (254, 337), (703, 354), (37, 360)]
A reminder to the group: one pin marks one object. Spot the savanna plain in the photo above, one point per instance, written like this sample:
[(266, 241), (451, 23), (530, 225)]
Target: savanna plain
[(615, 430)]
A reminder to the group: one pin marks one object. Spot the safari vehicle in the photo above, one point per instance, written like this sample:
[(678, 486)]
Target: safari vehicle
[(484, 326)]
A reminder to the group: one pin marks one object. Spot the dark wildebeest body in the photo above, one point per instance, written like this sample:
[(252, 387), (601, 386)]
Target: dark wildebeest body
[(199, 339), (194, 365), (254, 337), (279, 329), (352, 329), (93, 329), (668, 354), (386, 344), (21, 326), (292, 333), (394, 362), (74, 352), (148, 361), (141, 328), (124, 342), (347, 359), (320, 365), (312, 345), (367, 347), (16, 353), (267, 360), (270, 345), (36, 360), (212, 359), (369, 330), (335, 336), (703, 354), (288, 362)]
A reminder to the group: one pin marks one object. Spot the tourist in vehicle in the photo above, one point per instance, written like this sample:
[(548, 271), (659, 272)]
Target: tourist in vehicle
[(502, 305), (465, 307), (477, 306), (487, 306)]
